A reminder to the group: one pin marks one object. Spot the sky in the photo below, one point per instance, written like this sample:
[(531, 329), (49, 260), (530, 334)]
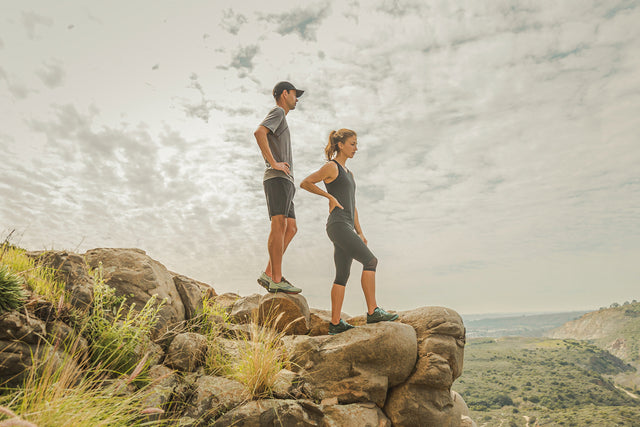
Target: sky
[(499, 149)]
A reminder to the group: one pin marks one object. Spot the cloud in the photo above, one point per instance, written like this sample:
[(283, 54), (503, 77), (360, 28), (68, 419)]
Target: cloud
[(232, 22), (32, 21), (203, 107), (243, 58), (52, 75), (303, 22)]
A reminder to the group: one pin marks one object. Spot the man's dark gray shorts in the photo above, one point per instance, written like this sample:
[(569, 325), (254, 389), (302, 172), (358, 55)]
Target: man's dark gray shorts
[(279, 193)]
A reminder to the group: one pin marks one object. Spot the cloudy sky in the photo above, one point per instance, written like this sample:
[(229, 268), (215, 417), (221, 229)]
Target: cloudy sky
[(499, 150)]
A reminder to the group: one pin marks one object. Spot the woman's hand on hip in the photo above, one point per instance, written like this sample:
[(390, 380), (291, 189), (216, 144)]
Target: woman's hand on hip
[(333, 203), (364, 239)]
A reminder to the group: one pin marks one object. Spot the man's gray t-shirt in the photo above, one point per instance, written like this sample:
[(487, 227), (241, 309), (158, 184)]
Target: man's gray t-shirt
[(279, 143)]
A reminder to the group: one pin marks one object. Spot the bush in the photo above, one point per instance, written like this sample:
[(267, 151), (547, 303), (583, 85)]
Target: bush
[(12, 294), (118, 337)]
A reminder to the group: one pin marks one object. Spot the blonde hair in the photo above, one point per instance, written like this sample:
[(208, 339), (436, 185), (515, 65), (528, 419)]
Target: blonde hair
[(335, 137)]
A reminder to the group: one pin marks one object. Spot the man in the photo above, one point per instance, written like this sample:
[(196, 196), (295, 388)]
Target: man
[(274, 141)]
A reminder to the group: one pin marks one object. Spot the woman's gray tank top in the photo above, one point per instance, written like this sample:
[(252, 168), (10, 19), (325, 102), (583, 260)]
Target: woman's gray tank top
[(343, 188)]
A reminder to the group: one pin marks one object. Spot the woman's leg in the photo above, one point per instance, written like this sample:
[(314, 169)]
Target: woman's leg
[(368, 280), (352, 247), (342, 262), (337, 298)]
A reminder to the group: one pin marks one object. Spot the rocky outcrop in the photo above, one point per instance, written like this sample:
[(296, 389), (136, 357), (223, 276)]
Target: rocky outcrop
[(426, 395), (135, 275), (391, 373)]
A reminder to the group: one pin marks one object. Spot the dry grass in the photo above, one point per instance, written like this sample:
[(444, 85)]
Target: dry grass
[(260, 354), (62, 390)]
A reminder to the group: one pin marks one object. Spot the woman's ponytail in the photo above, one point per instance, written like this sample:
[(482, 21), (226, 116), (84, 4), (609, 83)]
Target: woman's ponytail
[(336, 137)]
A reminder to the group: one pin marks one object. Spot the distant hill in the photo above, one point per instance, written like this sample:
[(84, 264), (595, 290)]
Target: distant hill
[(525, 325), (517, 381), (615, 329)]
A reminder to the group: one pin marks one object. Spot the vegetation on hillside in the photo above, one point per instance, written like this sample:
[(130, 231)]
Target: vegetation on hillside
[(557, 382), (97, 377)]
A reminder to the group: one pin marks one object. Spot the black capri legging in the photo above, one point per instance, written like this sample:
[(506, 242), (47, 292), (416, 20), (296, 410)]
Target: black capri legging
[(348, 245)]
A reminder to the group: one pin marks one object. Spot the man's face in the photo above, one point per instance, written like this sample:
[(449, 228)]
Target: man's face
[(290, 98)]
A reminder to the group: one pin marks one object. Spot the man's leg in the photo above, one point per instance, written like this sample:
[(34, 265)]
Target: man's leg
[(290, 230), (276, 246)]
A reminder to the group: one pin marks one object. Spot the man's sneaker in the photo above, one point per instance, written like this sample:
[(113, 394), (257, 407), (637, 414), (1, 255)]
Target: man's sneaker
[(379, 315), (340, 327), (263, 280), (283, 286)]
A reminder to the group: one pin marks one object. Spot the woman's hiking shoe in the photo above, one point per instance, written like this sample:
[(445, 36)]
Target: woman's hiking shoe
[(263, 280), (340, 327), (273, 287), (282, 286), (379, 315)]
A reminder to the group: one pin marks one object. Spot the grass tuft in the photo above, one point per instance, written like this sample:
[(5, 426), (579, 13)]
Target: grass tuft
[(40, 279), (12, 293)]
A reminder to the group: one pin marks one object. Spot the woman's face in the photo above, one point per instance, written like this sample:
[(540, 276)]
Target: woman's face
[(349, 146)]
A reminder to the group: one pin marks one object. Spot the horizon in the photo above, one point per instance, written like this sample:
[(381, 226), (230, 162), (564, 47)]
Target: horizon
[(498, 145)]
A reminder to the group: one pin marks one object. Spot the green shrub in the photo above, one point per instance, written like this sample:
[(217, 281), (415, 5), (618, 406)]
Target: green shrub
[(118, 336), (12, 294)]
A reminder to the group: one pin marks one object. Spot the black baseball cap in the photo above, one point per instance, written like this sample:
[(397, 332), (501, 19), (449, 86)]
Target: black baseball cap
[(282, 86)]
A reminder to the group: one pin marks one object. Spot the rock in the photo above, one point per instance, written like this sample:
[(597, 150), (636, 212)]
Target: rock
[(187, 351), (245, 309), (163, 381), (288, 313), (16, 358), (15, 326), (133, 274), (358, 365), (319, 321), (426, 396), (284, 384), (69, 339), (191, 293), (439, 330), (355, 415), (70, 269), (419, 405), (461, 407), (226, 301), (273, 412), (214, 395)]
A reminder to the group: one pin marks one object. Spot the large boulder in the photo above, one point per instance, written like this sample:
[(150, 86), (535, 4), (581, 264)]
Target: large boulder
[(135, 275), (288, 313), (358, 365), (71, 270), (441, 331), (426, 397)]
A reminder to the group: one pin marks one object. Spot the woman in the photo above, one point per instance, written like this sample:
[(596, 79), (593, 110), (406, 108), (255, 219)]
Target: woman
[(344, 228)]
